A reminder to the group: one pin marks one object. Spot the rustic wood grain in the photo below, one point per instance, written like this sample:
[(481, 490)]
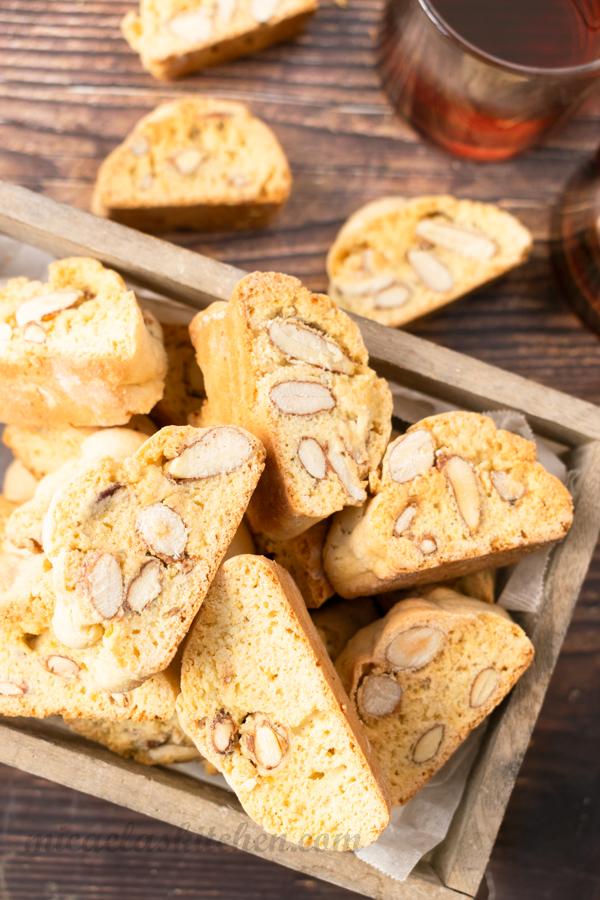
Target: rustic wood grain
[(70, 89)]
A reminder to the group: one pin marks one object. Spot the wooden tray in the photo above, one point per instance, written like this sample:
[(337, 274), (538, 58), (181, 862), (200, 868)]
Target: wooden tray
[(456, 866)]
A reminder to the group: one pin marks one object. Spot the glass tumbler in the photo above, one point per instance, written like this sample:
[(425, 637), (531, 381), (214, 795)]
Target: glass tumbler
[(466, 101)]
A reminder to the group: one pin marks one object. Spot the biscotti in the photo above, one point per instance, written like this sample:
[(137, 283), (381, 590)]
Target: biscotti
[(18, 485), (292, 368), (77, 350), (396, 260), (44, 450), (340, 619), (261, 700), (302, 556), (184, 382), (160, 742), (134, 546), (199, 163), (424, 676), (173, 40), (456, 495)]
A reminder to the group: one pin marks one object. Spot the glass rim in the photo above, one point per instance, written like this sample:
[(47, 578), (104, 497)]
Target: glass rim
[(449, 32)]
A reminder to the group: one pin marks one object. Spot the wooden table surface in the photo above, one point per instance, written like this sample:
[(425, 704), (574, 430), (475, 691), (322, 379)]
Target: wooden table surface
[(70, 90)]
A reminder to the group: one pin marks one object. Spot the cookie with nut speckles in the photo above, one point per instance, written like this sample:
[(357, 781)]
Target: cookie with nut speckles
[(456, 495)]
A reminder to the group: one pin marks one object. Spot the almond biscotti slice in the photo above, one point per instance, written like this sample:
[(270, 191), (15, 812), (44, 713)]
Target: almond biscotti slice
[(396, 260), (175, 37), (302, 556), (261, 700), (156, 743), (340, 619), (427, 674), (198, 163), (184, 382), (292, 368), (134, 546), (456, 495), (77, 350)]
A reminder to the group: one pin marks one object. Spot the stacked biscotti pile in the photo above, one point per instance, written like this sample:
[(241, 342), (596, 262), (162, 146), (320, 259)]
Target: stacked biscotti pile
[(150, 467)]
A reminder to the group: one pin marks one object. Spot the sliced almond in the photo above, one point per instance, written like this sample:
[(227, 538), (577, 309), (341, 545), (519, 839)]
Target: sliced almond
[(146, 586), (220, 450), (302, 398), (312, 457), (248, 785), (509, 490), (464, 483), (428, 545), (5, 331), (102, 583), (121, 700), (483, 687), (379, 695), (348, 479), (146, 182), (139, 145), (10, 689), (411, 455), (263, 10), (226, 10), (34, 334), (431, 271), (44, 306), (188, 161), (405, 520), (367, 287), (264, 742), (415, 647), (193, 28), (223, 733), (63, 666), (466, 242), (428, 744), (163, 531), (393, 297), (304, 344)]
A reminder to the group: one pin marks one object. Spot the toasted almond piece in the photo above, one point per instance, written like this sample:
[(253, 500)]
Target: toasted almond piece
[(483, 687), (379, 695), (139, 145), (305, 344), (220, 450), (431, 271), (163, 531), (347, 478), (415, 647), (34, 334), (45, 305), (248, 785), (223, 733), (145, 587), (146, 182), (193, 28), (466, 242), (102, 583), (393, 297), (121, 700), (226, 10), (428, 744), (463, 481), (367, 286), (411, 455), (428, 545), (263, 10), (63, 666), (405, 520), (10, 689), (302, 398), (187, 161), (312, 457), (264, 742), (509, 490), (5, 331)]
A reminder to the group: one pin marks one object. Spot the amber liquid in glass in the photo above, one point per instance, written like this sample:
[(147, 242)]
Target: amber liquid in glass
[(539, 34)]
